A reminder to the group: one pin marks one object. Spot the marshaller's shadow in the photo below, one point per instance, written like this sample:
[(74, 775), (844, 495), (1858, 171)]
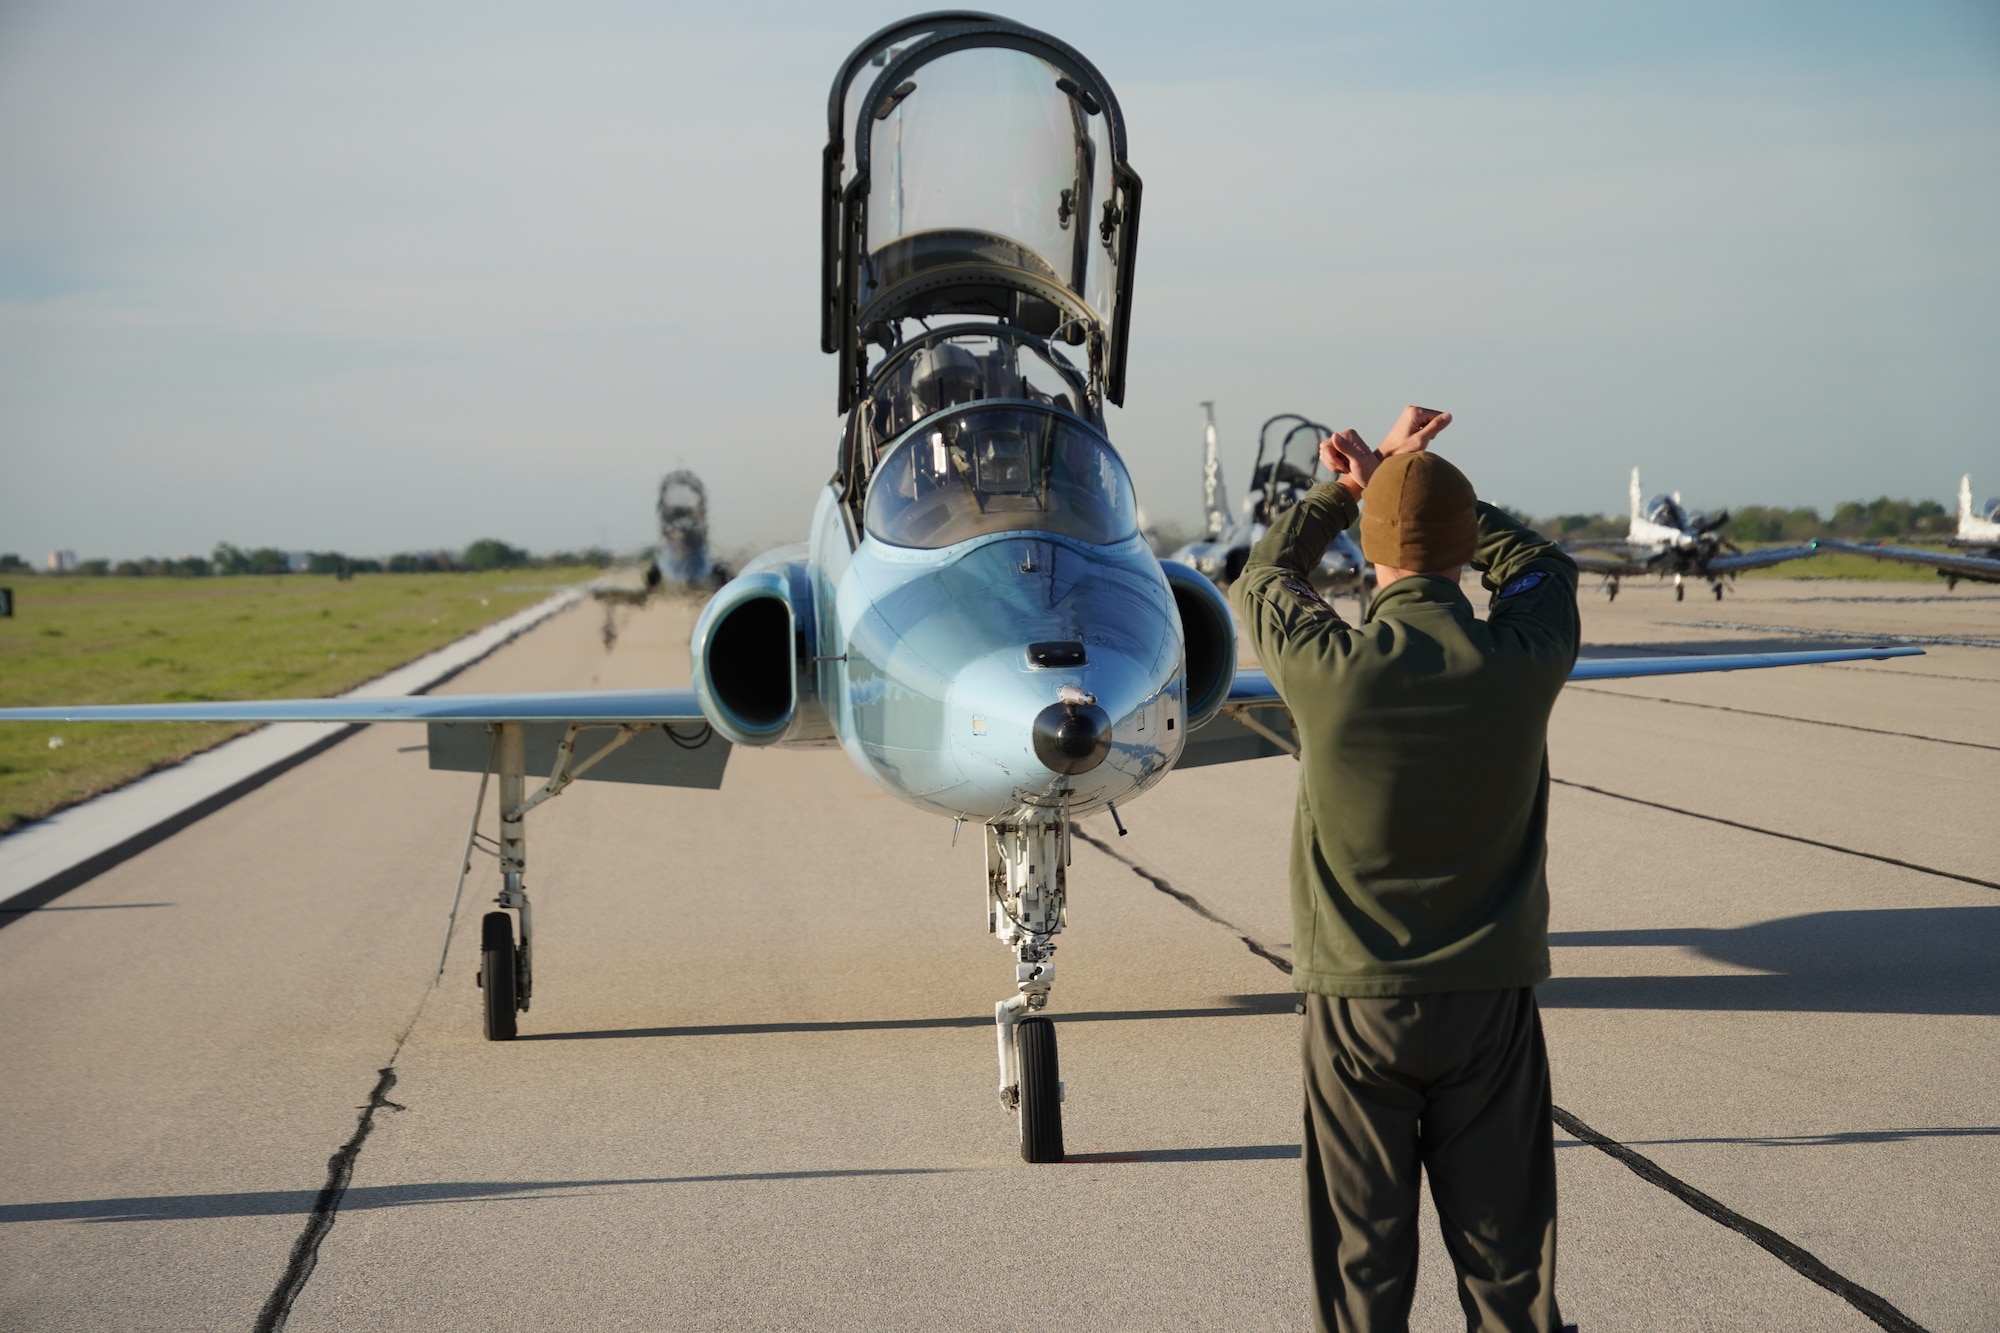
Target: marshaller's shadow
[(1233, 1006), (1904, 960)]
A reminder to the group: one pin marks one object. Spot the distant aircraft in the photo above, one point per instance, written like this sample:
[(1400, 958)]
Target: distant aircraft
[(1977, 531), (974, 618), (1274, 488), (680, 561), (1666, 539)]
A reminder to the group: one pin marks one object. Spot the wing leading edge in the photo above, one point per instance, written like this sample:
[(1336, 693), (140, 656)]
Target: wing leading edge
[(677, 706), (1255, 725), (1950, 563)]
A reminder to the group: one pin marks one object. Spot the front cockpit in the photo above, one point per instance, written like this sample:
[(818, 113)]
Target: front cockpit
[(997, 467)]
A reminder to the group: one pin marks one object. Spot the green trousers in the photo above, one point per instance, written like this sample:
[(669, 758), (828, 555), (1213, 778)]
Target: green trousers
[(1456, 1086)]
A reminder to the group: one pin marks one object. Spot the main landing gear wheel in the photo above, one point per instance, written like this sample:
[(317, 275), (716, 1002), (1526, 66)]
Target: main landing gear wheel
[(1680, 593), (496, 974), (1041, 1090)]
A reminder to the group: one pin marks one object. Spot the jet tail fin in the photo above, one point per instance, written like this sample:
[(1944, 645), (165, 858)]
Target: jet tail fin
[(1636, 498), (1214, 498), (1964, 503)]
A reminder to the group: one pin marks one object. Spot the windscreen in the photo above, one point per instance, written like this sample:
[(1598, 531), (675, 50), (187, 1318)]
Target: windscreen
[(984, 143), (1000, 469)]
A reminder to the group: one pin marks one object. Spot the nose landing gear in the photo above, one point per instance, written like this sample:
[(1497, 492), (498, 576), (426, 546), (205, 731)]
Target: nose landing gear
[(1025, 886)]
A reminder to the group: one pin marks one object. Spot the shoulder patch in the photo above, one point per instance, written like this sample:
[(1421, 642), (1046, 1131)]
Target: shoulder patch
[(1302, 590), (1526, 583)]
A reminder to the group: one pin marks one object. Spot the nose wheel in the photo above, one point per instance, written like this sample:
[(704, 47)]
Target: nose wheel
[(1041, 1090)]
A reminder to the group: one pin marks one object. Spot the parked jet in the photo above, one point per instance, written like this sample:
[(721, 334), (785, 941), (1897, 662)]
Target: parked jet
[(974, 619), (1274, 487), (1666, 539), (680, 562), (1978, 530)]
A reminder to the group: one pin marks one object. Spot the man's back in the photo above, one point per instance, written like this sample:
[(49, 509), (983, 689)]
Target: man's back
[(1419, 845)]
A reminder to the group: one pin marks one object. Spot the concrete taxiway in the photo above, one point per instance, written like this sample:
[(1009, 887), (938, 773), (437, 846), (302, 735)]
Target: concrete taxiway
[(757, 1085)]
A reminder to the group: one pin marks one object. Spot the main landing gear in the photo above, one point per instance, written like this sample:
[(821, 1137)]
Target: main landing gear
[(1025, 883), (506, 974)]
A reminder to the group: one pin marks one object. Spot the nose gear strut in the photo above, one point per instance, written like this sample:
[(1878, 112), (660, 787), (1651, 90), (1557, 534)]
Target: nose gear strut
[(1025, 891)]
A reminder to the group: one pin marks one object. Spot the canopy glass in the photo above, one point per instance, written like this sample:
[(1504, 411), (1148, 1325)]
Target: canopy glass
[(975, 167), (1000, 468)]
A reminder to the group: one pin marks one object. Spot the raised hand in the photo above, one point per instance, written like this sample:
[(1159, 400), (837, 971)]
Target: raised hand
[(1345, 451), (1414, 431)]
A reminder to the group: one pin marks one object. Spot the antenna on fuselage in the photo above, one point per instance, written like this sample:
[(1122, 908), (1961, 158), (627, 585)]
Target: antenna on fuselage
[(1214, 497)]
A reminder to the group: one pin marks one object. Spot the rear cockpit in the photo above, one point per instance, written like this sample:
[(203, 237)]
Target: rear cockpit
[(979, 225)]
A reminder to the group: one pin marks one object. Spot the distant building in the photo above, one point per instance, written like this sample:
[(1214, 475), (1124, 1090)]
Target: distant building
[(62, 562)]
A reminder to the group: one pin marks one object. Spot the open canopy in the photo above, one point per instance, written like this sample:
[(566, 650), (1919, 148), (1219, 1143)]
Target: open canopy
[(975, 167)]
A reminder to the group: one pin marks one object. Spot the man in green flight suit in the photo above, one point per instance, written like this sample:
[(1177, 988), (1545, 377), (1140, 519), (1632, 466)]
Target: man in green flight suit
[(1419, 896)]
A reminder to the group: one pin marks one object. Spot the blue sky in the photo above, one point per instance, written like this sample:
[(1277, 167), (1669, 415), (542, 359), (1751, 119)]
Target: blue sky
[(376, 277)]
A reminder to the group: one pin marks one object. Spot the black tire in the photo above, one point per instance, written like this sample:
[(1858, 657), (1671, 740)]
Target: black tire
[(1718, 592), (1041, 1090), (496, 974), (1679, 592)]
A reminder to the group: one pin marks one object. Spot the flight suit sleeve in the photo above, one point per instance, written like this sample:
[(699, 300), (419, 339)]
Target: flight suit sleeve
[(1287, 619), (1533, 582)]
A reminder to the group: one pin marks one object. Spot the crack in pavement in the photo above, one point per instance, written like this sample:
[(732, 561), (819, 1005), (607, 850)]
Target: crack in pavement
[(1186, 900), (1788, 837), (339, 1171), (1780, 717), (1797, 1258)]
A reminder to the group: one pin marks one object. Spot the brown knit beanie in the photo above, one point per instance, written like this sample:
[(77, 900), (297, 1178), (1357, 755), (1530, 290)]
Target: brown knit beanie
[(1417, 514)]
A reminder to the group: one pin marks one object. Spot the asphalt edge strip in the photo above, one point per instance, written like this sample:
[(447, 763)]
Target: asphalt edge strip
[(56, 885), (45, 891), (1799, 1260), (1774, 833), (1793, 1256), (339, 1171)]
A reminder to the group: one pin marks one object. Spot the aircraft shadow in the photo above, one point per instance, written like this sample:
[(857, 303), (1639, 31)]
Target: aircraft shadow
[(78, 907), (281, 1203), (1238, 1006), (1905, 960)]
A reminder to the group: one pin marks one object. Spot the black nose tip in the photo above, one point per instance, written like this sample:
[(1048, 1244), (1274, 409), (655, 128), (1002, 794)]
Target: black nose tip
[(1072, 738)]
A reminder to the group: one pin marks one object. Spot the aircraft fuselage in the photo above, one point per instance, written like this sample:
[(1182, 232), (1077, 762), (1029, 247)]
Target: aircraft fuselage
[(936, 668)]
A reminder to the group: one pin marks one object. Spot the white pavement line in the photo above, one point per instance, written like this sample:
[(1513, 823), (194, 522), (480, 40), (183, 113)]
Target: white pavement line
[(51, 856)]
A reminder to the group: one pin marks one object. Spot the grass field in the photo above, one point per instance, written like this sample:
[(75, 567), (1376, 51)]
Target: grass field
[(109, 640), (1841, 565)]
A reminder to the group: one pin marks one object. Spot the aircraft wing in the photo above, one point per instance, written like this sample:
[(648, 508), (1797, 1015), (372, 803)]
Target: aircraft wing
[(1600, 562), (1981, 568), (593, 706), (669, 743), (1255, 724), (1776, 555)]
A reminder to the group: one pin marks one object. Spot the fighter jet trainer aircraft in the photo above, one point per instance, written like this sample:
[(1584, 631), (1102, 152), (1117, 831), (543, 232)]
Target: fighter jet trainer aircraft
[(1978, 531), (1274, 487), (974, 618), (1667, 539)]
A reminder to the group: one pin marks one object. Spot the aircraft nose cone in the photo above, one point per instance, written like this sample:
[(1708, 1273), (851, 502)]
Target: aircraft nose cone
[(1072, 738)]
